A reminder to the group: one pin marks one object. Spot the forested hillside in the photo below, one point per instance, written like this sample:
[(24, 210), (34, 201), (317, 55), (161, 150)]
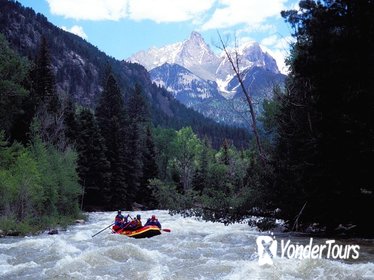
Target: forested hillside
[(38, 180)]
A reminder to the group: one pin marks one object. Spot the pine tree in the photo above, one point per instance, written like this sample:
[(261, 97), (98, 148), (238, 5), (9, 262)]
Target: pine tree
[(13, 71), (70, 122), (93, 167), (325, 120), (43, 83), (150, 170), (111, 117), (138, 116), (45, 104), (200, 180), (225, 153)]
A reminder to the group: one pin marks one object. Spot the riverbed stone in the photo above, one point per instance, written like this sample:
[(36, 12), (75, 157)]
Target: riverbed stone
[(53, 231)]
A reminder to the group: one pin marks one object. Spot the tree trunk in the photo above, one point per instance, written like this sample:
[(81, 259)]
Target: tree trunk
[(235, 67)]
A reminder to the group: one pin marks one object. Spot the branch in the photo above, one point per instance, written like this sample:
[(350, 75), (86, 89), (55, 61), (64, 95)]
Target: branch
[(236, 69)]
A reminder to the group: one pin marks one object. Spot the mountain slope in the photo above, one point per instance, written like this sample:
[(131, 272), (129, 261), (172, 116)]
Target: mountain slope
[(80, 67), (259, 83), (183, 84), (250, 55)]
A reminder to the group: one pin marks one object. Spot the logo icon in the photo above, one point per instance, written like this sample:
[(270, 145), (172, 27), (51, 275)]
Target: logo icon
[(267, 249)]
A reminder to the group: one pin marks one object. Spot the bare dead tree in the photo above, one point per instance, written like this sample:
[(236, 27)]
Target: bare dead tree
[(234, 61)]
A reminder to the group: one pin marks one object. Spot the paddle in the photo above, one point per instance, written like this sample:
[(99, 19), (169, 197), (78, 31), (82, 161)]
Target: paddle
[(166, 229), (102, 230)]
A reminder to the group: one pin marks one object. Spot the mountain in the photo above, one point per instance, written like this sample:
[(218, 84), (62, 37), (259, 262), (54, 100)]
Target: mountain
[(250, 55), (193, 54), (258, 80), (184, 85), (80, 68), (204, 81), (235, 110)]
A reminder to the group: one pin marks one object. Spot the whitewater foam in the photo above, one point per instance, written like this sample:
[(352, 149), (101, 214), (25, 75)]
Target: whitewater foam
[(194, 249)]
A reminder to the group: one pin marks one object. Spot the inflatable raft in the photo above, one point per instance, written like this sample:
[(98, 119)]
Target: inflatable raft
[(143, 232)]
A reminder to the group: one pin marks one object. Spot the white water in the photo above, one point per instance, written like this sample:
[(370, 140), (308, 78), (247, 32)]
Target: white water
[(192, 250)]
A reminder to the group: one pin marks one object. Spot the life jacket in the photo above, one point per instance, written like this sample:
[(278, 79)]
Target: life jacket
[(135, 224), (154, 222), (139, 223), (119, 219)]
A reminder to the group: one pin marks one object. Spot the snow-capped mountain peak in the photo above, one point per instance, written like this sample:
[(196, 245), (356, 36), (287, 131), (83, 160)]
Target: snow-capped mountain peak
[(196, 55), (155, 57), (193, 54), (250, 54)]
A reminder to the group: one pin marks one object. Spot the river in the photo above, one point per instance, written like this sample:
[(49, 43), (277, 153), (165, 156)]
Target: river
[(192, 250)]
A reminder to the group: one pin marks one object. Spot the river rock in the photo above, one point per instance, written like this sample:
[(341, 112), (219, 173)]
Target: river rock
[(13, 233), (53, 231), (79, 221), (138, 207), (345, 229)]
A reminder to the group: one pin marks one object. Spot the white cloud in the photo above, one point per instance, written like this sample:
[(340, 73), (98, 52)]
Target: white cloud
[(77, 30), (278, 48), (269, 41), (89, 9), (168, 10), (248, 12), (158, 11)]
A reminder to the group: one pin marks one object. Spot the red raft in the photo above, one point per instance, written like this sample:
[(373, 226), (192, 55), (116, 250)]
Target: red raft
[(143, 232)]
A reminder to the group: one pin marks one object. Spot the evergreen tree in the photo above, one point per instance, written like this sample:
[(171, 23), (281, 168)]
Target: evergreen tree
[(111, 117), (150, 170), (325, 119), (225, 153), (93, 167), (70, 122), (137, 107), (136, 144), (43, 80), (13, 71), (200, 180), (44, 103)]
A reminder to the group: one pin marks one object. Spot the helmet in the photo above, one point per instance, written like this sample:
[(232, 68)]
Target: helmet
[(153, 217), (138, 217), (119, 211)]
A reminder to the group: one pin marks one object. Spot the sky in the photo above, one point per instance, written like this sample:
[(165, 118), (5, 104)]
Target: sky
[(121, 28)]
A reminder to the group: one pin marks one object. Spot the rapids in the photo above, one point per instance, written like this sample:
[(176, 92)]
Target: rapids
[(192, 250)]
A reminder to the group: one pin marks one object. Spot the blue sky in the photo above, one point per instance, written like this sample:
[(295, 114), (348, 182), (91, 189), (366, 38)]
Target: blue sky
[(121, 28)]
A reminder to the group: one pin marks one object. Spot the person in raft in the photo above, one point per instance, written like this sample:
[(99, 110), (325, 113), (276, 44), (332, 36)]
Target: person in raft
[(136, 223), (153, 222), (120, 221)]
